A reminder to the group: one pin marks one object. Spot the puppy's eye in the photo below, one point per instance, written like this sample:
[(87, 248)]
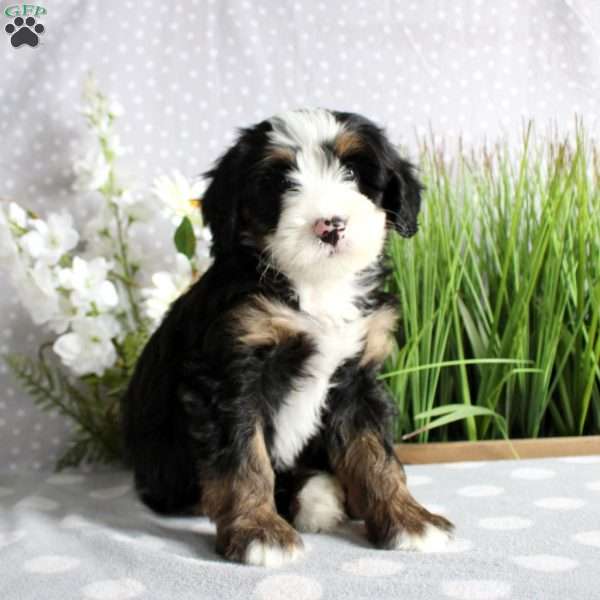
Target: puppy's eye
[(283, 182), (350, 174)]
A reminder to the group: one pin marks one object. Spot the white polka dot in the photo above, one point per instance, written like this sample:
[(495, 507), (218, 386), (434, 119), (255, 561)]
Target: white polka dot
[(472, 589), (455, 545), (4, 491), (507, 523), (111, 493), (75, 522), (532, 474), (593, 485), (466, 465), (147, 541), (202, 526), (588, 538), (65, 479), (582, 460), (113, 589), (546, 563), (560, 503), (478, 491), (38, 503), (371, 567), (51, 564), (282, 587), (416, 480), (10, 537)]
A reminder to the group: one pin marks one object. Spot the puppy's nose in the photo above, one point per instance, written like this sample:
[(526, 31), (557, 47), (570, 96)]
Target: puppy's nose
[(330, 230)]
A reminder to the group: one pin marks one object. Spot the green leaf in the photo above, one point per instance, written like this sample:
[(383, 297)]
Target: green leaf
[(456, 409), (133, 344), (184, 238), (455, 412), (454, 363)]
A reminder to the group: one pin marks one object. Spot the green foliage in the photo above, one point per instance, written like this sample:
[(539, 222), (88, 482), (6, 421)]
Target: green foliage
[(499, 296), (96, 437), (91, 403), (185, 239)]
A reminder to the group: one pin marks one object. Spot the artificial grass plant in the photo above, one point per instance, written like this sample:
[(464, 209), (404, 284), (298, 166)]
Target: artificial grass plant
[(499, 295)]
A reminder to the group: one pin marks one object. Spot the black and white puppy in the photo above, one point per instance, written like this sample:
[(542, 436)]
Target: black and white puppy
[(256, 401)]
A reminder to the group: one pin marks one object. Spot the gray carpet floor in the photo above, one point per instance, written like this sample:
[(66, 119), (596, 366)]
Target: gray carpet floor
[(525, 530)]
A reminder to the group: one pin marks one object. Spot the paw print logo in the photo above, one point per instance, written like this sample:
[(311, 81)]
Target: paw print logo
[(24, 32)]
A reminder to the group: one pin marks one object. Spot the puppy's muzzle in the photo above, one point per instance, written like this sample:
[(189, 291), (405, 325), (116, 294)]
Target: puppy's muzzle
[(330, 231)]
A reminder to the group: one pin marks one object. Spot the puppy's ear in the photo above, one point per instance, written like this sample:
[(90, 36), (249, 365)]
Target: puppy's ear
[(221, 201), (402, 195)]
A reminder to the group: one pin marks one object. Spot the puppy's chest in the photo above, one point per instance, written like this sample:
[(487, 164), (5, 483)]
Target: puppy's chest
[(337, 331)]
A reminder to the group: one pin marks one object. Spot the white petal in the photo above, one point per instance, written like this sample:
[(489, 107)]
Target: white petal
[(69, 347), (17, 215), (108, 294), (33, 243), (164, 283)]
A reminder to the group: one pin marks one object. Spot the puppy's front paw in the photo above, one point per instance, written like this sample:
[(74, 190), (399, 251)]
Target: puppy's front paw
[(261, 553), (432, 538), (268, 542), (412, 527)]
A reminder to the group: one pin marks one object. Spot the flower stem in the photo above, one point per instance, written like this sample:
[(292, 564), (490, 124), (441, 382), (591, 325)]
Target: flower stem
[(127, 279)]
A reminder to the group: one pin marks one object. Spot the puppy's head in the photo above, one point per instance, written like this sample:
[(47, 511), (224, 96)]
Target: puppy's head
[(314, 190)]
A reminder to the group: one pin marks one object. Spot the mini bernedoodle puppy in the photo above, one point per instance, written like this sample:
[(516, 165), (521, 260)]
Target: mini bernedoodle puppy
[(256, 401)]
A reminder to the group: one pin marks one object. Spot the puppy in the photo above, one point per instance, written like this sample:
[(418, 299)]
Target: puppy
[(256, 401)]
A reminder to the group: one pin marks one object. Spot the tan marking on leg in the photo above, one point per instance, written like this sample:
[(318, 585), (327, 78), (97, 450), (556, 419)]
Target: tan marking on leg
[(265, 322), (376, 491), (242, 506), (380, 341)]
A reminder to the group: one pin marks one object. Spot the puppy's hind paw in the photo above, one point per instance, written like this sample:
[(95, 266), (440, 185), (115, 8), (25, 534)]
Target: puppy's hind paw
[(320, 504)]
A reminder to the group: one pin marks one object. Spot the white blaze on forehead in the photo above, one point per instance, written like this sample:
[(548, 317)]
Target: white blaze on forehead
[(315, 170), (322, 188), (303, 128)]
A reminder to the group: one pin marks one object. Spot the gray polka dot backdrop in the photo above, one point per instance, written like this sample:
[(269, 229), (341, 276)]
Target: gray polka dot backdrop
[(188, 73)]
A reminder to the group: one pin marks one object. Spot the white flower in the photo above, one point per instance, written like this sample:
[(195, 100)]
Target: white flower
[(167, 288), (179, 197), (115, 108), (203, 239), (92, 172), (113, 145), (88, 347), (133, 207), (98, 108), (90, 288), (8, 248), (50, 240), (37, 290), (17, 216)]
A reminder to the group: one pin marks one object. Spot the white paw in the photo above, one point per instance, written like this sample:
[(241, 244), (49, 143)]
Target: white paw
[(261, 554), (321, 503), (433, 539)]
